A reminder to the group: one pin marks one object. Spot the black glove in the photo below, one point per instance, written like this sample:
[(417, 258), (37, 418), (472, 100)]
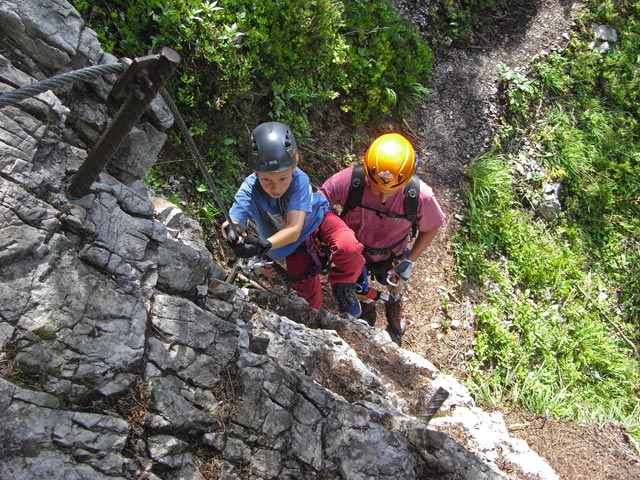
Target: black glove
[(233, 235), (252, 247)]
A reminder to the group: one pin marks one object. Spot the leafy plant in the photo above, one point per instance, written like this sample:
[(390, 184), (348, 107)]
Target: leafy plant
[(387, 65), (453, 21), (519, 88), (559, 325), (297, 56)]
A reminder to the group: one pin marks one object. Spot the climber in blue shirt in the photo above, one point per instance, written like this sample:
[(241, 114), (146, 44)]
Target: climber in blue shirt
[(293, 221)]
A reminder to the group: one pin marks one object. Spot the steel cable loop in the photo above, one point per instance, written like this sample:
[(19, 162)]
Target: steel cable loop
[(82, 74)]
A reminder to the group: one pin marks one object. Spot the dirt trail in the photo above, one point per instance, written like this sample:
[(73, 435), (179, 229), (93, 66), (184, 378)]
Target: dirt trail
[(455, 125)]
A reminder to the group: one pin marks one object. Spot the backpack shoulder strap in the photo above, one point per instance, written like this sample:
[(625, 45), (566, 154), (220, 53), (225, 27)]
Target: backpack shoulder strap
[(411, 198), (356, 189)]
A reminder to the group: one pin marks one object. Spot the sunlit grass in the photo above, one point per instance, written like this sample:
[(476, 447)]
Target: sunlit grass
[(558, 328)]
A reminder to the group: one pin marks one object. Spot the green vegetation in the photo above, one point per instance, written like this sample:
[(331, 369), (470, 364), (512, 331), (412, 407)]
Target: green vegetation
[(245, 62), (559, 325), (453, 21), (279, 59), (44, 334)]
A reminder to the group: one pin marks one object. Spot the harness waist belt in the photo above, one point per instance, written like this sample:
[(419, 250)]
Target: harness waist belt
[(377, 251), (382, 251)]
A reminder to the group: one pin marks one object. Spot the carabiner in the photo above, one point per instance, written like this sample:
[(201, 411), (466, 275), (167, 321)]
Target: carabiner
[(393, 279)]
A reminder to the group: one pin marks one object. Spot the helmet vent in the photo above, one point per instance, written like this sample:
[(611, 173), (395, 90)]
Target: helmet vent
[(273, 147), (288, 145)]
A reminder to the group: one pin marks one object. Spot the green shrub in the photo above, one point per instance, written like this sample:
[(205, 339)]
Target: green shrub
[(453, 21), (559, 328), (274, 58), (387, 65)]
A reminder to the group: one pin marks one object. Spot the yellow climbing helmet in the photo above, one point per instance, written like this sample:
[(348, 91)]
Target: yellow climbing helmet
[(390, 161)]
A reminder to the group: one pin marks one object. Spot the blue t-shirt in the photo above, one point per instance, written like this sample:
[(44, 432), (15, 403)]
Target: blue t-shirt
[(269, 214)]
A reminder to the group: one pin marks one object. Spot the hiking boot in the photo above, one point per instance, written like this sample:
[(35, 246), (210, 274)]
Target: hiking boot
[(368, 312), (346, 298), (396, 318)]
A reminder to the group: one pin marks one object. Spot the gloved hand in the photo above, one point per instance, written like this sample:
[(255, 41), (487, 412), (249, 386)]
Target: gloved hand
[(403, 270), (252, 247), (233, 235)]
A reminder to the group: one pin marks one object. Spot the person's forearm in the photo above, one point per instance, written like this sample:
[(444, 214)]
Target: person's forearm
[(285, 236), (291, 231), (422, 242)]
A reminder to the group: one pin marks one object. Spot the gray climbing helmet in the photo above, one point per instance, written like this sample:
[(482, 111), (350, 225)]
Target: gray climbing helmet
[(273, 147)]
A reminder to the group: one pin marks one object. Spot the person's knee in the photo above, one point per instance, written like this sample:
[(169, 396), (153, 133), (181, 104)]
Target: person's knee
[(314, 303), (346, 244)]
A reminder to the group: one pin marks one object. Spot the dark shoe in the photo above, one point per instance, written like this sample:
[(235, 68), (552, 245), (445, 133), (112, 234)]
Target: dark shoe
[(346, 298), (396, 318), (368, 312)]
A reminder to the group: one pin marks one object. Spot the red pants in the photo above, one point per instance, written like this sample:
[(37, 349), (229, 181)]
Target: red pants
[(346, 259)]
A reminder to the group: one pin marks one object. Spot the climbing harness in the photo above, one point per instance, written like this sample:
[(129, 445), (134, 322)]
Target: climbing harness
[(319, 253), (378, 270)]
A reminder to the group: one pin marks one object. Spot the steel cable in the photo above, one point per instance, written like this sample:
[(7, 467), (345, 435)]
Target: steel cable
[(89, 73), (196, 154), (59, 81)]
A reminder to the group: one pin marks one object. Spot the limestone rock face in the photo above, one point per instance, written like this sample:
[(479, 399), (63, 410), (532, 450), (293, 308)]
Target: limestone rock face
[(124, 355)]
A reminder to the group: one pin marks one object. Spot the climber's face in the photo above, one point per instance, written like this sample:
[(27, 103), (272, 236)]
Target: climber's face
[(276, 183), (380, 194)]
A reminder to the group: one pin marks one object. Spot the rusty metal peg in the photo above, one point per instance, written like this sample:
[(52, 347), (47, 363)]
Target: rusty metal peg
[(436, 401), (136, 73), (140, 83)]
